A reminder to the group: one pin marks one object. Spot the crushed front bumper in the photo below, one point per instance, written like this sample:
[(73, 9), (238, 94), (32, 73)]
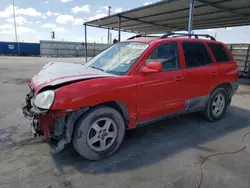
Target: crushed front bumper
[(58, 124), (34, 114), (27, 105)]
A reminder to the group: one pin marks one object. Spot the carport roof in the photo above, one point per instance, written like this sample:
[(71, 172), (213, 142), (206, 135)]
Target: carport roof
[(172, 15)]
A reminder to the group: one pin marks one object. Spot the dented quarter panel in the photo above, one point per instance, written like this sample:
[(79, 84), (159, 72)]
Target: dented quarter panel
[(96, 91), (55, 73)]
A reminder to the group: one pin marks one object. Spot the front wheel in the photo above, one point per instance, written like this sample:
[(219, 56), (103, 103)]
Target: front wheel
[(217, 105), (99, 133)]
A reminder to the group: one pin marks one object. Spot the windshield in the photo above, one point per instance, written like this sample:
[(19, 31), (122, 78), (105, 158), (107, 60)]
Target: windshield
[(119, 58)]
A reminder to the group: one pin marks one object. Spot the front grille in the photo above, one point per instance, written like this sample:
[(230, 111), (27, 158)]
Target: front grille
[(28, 105), (28, 99)]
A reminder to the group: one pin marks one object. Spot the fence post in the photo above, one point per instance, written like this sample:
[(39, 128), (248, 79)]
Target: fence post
[(76, 49), (57, 48), (246, 63), (231, 47)]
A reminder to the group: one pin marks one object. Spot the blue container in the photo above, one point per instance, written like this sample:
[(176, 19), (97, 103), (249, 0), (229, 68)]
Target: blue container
[(25, 49)]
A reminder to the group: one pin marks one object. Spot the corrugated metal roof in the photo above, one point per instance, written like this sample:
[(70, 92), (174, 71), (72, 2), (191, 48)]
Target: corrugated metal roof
[(172, 15)]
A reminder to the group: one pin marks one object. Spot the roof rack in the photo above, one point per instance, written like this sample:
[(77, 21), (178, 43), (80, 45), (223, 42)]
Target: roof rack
[(175, 35), (188, 35)]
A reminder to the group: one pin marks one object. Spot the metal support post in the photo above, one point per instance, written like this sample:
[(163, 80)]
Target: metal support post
[(247, 63), (14, 16), (109, 7), (119, 28), (190, 19), (86, 50)]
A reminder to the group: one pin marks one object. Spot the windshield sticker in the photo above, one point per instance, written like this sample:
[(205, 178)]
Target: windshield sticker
[(137, 46)]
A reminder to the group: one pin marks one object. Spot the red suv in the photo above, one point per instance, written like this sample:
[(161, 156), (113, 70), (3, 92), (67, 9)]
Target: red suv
[(130, 84)]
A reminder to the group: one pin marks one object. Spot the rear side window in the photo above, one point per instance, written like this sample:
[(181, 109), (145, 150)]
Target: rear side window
[(196, 54), (167, 55), (219, 52)]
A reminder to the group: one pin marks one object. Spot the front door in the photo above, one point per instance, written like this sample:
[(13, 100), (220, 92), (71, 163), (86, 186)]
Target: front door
[(160, 94)]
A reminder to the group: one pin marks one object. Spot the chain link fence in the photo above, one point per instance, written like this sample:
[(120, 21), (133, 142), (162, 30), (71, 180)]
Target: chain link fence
[(241, 53), (69, 49)]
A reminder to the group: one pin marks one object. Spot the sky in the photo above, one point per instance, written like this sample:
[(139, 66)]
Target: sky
[(37, 18)]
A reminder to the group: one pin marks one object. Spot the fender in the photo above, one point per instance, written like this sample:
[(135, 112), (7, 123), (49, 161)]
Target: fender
[(89, 93)]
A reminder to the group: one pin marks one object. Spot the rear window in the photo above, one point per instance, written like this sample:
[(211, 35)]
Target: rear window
[(219, 52), (196, 54)]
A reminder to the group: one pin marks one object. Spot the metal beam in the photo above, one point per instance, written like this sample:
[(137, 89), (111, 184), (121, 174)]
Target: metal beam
[(184, 17), (223, 20), (138, 20), (213, 22), (168, 12), (211, 26), (136, 9), (146, 27), (190, 19), (196, 26), (86, 42), (225, 9), (195, 15), (235, 21), (109, 7), (119, 28), (171, 26), (175, 18), (246, 62), (115, 29)]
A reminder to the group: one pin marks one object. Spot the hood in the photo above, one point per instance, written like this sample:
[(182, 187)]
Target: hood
[(55, 73)]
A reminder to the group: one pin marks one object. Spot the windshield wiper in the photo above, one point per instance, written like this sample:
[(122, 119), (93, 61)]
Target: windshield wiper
[(97, 68)]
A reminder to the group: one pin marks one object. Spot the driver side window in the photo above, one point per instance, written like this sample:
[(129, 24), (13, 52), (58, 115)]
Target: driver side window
[(167, 55)]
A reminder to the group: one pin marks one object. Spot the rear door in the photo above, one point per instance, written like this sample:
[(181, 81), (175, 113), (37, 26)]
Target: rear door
[(200, 74)]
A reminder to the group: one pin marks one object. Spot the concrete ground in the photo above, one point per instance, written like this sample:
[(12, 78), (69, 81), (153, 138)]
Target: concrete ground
[(163, 155)]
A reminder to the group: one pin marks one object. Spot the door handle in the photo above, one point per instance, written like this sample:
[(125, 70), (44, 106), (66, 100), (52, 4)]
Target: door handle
[(214, 73), (179, 78)]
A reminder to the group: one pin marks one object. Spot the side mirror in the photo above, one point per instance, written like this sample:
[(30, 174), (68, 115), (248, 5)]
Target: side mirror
[(152, 67)]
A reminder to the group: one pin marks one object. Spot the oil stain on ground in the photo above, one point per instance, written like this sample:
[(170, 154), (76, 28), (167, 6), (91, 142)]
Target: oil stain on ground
[(17, 81), (5, 137)]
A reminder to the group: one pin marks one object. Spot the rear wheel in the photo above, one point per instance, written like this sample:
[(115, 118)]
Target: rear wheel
[(217, 105), (99, 133)]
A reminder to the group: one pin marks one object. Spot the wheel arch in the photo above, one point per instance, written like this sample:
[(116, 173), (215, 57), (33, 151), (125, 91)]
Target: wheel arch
[(73, 117), (227, 86), (120, 107)]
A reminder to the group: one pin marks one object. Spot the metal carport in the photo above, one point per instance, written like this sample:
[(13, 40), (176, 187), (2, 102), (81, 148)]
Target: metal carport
[(176, 15)]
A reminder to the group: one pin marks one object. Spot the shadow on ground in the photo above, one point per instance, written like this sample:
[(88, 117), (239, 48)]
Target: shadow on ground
[(151, 144)]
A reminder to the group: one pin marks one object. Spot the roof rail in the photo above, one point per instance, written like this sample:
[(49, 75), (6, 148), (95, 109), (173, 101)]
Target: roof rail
[(138, 36), (188, 35)]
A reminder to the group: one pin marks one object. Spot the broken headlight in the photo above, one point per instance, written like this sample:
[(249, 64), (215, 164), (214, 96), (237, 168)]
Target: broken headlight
[(45, 99)]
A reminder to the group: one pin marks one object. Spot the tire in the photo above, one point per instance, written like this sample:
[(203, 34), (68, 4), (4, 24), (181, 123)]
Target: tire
[(229, 101), (209, 112), (86, 133)]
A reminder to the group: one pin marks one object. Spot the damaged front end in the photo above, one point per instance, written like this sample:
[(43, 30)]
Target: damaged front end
[(32, 113), (57, 124)]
